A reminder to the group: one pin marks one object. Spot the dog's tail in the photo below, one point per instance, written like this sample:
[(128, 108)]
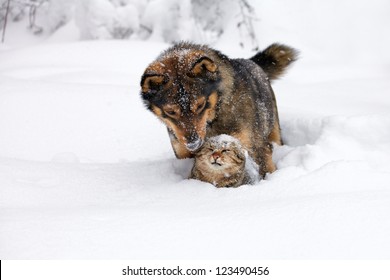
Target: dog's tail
[(275, 59)]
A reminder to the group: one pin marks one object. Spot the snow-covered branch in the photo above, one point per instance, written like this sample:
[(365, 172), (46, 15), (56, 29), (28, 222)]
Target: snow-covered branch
[(157, 20)]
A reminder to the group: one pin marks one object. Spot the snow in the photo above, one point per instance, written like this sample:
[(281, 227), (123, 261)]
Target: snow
[(252, 168), (221, 141), (87, 172)]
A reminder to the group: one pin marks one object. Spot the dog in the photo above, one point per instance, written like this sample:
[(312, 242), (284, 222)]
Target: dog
[(198, 92)]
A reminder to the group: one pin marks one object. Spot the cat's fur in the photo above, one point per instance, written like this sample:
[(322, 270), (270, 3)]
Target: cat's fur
[(222, 162)]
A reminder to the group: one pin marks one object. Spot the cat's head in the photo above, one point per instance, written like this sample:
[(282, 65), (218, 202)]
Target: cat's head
[(222, 153)]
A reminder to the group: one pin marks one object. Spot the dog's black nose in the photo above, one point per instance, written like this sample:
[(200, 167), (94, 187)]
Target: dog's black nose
[(193, 146), (194, 142)]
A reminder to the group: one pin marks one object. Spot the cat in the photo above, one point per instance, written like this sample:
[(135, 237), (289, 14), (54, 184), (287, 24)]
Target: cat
[(223, 162)]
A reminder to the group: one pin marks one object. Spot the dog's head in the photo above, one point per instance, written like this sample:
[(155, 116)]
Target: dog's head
[(180, 87)]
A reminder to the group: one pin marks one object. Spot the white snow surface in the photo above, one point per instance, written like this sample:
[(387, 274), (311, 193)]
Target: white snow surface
[(86, 172)]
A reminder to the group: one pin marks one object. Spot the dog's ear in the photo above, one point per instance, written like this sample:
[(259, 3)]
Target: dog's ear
[(151, 83), (203, 66)]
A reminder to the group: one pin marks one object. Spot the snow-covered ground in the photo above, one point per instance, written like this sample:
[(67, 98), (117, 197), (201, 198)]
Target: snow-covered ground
[(87, 172)]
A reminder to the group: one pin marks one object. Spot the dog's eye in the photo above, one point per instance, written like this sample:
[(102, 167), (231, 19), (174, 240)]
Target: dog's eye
[(200, 107), (171, 113)]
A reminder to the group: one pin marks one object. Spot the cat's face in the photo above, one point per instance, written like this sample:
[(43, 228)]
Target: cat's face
[(225, 156)]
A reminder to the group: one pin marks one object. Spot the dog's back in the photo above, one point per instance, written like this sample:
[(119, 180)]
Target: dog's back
[(249, 108), (248, 111)]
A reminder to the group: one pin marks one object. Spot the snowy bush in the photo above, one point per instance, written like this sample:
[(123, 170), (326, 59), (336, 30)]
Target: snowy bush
[(168, 21), (157, 20), (18, 9), (196, 20), (58, 13), (103, 19), (212, 16)]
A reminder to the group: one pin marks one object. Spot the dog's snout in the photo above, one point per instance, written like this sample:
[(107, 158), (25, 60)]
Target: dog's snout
[(194, 143), (192, 136)]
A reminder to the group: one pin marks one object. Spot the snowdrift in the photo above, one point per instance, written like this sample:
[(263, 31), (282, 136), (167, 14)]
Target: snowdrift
[(87, 172)]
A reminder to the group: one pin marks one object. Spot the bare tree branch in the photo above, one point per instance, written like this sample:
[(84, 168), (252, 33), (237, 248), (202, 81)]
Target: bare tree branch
[(5, 21), (247, 12)]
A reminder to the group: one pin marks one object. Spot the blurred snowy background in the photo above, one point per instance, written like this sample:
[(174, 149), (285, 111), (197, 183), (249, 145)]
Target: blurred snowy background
[(348, 30), (162, 20), (87, 172)]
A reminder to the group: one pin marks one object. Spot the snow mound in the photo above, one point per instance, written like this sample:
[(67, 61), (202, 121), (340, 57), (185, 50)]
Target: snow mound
[(87, 172), (313, 144)]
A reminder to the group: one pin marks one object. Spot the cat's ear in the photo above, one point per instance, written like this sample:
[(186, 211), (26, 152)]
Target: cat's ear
[(241, 156), (240, 153)]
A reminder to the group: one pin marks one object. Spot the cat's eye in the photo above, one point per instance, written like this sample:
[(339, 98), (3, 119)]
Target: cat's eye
[(224, 151)]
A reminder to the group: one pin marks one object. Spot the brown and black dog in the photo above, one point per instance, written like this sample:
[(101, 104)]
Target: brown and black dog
[(198, 93)]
